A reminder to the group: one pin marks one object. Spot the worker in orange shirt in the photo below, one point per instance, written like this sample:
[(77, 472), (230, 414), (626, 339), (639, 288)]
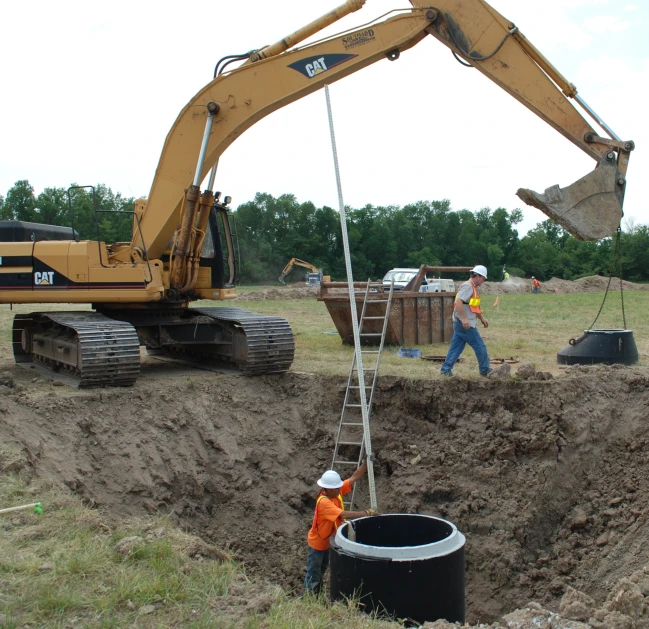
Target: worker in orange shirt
[(329, 515), (535, 285)]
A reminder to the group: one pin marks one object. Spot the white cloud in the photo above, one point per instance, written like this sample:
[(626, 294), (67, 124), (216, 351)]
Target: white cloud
[(600, 24)]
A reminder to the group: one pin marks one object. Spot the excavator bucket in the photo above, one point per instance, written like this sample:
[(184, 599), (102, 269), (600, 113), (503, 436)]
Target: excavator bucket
[(590, 208)]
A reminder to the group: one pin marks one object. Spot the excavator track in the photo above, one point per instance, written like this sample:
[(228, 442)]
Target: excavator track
[(214, 338), (96, 350), (269, 342)]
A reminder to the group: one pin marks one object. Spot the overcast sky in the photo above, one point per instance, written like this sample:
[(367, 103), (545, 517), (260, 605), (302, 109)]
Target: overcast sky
[(90, 90)]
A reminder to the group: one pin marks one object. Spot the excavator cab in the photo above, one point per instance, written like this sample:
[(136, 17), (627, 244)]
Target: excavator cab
[(217, 263), (313, 279), (219, 248)]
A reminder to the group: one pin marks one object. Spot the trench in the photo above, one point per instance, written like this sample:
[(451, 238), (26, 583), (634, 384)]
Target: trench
[(547, 480)]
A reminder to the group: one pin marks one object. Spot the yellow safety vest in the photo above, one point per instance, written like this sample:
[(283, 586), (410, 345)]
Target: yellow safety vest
[(315, 515), (474, 302)]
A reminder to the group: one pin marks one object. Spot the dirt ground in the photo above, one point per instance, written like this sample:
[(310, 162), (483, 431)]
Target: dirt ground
[(590, 284), (546, 478)]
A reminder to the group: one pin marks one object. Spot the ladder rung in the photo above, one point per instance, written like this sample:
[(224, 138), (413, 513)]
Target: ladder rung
[(373, 372)]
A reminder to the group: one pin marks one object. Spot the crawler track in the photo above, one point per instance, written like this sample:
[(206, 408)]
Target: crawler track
[(100, 350), (270, 346), (97, 350)]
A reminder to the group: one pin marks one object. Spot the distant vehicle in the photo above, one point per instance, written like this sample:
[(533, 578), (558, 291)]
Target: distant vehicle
[(314, 278), (401, 278), (429, 284), (438, 285)]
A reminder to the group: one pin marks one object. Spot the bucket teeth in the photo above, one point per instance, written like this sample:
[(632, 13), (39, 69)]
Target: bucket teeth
[(590, 208)]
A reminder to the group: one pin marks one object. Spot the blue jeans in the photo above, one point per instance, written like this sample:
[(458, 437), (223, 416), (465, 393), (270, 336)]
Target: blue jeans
[(317, 563), (460, 339)]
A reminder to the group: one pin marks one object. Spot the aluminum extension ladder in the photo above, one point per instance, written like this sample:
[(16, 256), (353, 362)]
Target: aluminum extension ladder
[(351, 427)]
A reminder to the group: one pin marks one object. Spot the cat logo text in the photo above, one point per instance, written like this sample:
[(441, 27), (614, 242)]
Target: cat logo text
[(313, 66), (44, 278)]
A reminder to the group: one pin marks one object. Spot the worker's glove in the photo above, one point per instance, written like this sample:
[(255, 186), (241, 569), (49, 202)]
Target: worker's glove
[(371, 512)]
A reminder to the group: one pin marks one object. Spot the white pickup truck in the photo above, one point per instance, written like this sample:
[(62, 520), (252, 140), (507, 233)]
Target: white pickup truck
[(438, 285), (401, 278)]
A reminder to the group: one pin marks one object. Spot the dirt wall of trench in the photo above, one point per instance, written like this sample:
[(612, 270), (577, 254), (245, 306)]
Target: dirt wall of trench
[(547, 479)]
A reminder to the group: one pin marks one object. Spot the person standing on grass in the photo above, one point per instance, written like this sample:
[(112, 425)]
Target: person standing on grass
[(535, 285), (466, 314), (505, 276), (329, 515)]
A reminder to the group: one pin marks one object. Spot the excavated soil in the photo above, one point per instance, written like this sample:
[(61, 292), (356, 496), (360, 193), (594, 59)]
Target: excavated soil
[(546, 478), (514, 285)]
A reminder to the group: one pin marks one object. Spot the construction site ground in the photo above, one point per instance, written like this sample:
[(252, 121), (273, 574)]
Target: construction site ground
[(545, 475)]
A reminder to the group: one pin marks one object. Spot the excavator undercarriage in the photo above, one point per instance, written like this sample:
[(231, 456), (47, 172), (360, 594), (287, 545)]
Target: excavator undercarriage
[(99, 350)]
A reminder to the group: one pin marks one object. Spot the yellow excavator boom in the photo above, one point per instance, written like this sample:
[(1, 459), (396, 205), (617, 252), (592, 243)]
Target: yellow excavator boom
[(284, 72)]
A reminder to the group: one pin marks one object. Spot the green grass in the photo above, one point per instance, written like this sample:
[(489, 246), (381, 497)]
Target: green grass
[(531, 328), (62, 565), (60, 570)]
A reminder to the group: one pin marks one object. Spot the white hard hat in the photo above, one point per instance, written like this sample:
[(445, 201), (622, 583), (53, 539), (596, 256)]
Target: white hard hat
[(480, 270), (330, 480)]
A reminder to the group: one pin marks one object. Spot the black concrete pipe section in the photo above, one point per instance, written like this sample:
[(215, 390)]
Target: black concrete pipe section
[(609, 347), (405, 566)]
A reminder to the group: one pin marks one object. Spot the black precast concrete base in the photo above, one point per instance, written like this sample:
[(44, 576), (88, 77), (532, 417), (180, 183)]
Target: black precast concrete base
[(609, 347), (401, 565)]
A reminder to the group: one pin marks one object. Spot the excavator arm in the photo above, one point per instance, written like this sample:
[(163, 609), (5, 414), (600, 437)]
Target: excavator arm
[(284, 72)]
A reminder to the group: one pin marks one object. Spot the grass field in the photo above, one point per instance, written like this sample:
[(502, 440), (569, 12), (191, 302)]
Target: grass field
[(530, 328), (61, 570)]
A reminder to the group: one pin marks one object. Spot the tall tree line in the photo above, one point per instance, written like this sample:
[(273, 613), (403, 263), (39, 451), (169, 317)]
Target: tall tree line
[(75, 206), (271, 230)]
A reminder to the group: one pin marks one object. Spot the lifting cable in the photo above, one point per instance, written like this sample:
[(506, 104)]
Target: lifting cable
[(616, 264)]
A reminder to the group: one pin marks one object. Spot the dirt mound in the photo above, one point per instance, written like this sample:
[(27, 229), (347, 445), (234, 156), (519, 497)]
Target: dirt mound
[(289, 292), (547, 479), (514, 285), (590, 284)]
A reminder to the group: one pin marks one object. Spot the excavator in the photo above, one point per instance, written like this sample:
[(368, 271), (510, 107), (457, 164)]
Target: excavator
[(314, 278), (181, 248)]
